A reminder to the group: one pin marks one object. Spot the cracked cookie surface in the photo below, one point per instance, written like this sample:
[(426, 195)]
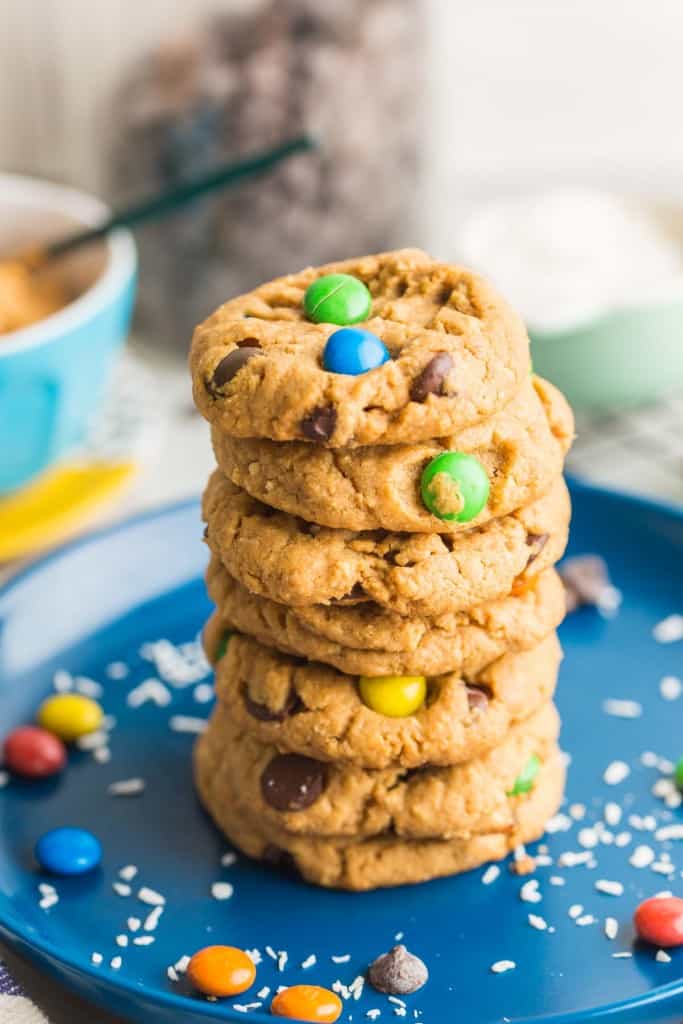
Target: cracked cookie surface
[(459, 353), (521, 448), (284, 558), (366, 639), (314, 710), (386, 860), (457, 801)]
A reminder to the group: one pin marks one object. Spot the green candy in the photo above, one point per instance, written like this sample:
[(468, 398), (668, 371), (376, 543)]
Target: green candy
[(337, 299), (678, 774), (223, 645), (455, 487), (524, 782)]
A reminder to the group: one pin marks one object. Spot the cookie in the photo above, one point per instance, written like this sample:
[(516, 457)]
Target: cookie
[(312, 709), (457, 354), (386, 860), (281, 557), (301, 795), (521, 448), (366, 639)]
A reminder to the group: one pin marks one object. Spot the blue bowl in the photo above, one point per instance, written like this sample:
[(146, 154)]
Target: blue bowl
[(53, 374)]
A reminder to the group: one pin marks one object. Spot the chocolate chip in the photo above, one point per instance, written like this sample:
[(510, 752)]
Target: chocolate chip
[(319, 426), (538, 541), (230, 365), (206, 533), (265, 714), (477, 697), (291, 782), (431, 380), (310, 529), (586, 581), (398, 972)]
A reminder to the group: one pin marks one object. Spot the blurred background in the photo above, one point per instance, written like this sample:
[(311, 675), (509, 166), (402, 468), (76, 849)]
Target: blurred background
[(537, 141)]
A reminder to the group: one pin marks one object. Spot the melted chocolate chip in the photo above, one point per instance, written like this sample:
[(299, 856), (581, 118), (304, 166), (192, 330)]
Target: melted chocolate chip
[(538, 541), (431, 380), (265, 714), (310, 529), (206, 533), (319, 426), (398, 972), (231, 365), (477, 697), (292, 782)]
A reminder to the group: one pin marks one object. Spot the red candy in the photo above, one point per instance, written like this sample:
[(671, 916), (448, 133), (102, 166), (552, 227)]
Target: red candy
[(660, 921), (33, 752)]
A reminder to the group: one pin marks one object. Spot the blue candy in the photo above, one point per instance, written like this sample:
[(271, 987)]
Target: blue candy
[(68, 851), (353, 350)]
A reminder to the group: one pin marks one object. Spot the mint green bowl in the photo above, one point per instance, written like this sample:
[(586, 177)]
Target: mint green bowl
[(626, 357)]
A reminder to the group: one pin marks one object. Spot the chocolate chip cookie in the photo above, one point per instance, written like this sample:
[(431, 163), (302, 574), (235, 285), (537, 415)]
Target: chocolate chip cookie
[(458, 353), (302, 795), (366, 639), (284, 558), (521, 448), (383, 860), (311, 709)]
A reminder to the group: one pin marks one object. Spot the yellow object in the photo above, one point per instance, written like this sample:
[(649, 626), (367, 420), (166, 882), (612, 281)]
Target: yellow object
[(70, 715), (56, 504), (393, 696)]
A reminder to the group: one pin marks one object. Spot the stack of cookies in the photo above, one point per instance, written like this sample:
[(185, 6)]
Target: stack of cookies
[(383, 524)]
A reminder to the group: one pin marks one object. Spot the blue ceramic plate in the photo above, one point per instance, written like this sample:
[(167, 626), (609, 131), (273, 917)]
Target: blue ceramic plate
[(102, 600)]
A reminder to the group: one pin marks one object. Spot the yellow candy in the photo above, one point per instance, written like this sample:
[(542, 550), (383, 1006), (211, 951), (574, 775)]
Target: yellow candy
[(70, 715), (393, 696)]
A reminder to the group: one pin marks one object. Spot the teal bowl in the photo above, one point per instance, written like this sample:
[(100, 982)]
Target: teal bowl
[(627, 357), (53, 374)]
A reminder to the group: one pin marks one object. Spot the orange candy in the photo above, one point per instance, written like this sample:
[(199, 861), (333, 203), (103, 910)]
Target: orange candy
[(222, 971), (307, 1002)]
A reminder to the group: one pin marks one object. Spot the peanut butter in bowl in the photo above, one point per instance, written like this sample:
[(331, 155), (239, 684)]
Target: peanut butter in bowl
[(27, 296)]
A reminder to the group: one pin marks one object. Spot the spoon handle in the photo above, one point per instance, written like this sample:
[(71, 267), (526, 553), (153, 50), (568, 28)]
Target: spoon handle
[(158, 205)]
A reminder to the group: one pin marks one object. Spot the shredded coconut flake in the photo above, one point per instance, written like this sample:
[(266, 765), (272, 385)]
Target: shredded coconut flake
[(149, 690), (151, 897), (222, 890), (642, 857), (616, 772), (620, 708), (491, 874), (186, 723), (662, 957), (537, 922), (609, 888), (128, 873), (310, 961), (611, 928), (501, 966), (126, 787), (669, 630), (96, 959)]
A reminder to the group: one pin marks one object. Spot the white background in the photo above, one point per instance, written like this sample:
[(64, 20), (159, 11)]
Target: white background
[(518, 92)]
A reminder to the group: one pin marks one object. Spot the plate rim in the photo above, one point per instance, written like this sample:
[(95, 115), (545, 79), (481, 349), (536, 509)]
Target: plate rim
[(39, 950)]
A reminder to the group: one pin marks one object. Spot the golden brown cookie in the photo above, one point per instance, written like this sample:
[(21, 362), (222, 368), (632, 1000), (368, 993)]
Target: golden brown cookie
[(314, 710), (286, 559), (304, 796), (458, 353), (522, 449), (385, 860), (366, 639)]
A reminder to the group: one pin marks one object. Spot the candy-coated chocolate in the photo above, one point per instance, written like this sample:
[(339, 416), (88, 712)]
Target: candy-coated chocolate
[(221, 971), (33, 752), (393, 696), (307, 1002), (223, 645), (68, 851), (455, 487), (353, 350), (337, 299), (70, 715), (660, 921), (524, 782), (678, 774)]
